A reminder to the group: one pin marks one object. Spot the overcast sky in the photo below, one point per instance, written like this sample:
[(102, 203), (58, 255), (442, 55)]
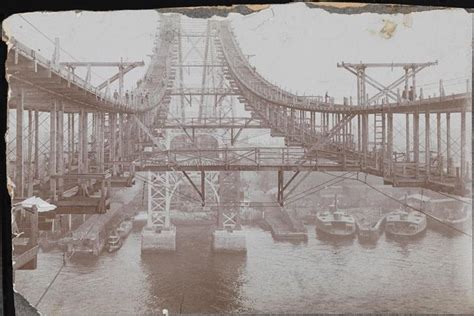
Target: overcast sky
[(294, 46)]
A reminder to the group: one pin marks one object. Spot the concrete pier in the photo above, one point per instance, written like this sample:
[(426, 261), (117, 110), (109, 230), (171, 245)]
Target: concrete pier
[(229, 241), (154, 240)]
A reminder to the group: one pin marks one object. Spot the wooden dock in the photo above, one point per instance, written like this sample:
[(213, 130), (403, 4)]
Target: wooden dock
[(283, 226)]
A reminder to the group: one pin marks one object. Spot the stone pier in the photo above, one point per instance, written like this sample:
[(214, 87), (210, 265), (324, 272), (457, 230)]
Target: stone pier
[(229, 241), (156, 240)]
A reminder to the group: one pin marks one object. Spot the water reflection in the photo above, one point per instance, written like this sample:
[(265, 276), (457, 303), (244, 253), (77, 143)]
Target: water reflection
[(194, 279), (429, 275)]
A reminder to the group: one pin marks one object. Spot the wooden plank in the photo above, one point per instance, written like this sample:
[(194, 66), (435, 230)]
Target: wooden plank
[(78, 202), (20, 260), (85, 176), (78, 210)]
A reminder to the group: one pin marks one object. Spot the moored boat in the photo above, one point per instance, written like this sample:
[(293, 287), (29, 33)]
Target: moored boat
[(124, 228), (450, 216), (369, 231), (335, 223), (404, 223), (369, 222), (114, 242)]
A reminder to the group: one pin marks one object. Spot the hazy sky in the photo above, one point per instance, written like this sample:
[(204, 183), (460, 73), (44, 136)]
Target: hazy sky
[(294, 46)]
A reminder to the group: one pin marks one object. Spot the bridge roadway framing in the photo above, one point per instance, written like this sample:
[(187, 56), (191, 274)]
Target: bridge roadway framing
[(113, 130)]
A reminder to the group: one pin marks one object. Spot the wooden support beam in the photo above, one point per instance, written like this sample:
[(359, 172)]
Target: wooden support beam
[(85, 176), (407, 137), (30, 154), (60, 145), (112, 146), (390, 143), (52, 149), (448, 144), (101, 136), (416, 140), (34, 236), (365, 137), (121, 129), (438, 144), (359, 143), (85, 139), (70, 140), (280, 187), (427, 144), (203, 187), (199, 192), (233, 138), (80, 143), (19, 182), (36, 119), (463, 144)]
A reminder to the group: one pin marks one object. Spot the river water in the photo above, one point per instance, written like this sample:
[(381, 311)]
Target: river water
[(432, 274)]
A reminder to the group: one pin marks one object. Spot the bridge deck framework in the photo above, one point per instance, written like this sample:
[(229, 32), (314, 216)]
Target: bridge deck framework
[(92, 132)]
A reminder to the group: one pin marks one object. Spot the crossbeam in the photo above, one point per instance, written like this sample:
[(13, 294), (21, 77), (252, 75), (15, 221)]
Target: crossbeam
[(202, 192), (283, 186), (102, 64), (385, 65)]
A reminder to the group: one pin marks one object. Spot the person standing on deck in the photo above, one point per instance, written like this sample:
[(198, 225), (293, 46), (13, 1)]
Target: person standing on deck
[(411, 94)]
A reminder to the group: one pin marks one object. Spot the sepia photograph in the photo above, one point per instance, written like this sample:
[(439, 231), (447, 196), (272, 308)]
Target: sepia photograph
[(285, 159)]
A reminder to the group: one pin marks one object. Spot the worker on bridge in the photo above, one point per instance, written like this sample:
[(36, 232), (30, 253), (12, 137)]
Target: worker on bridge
[(126, 96), (326, 97), (411, 94), (115, 94)]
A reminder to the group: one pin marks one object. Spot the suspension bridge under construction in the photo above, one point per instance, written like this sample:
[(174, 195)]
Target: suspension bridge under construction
[(70, 141)]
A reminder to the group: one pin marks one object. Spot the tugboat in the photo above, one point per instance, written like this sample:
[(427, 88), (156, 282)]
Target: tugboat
[(114, 242), (124, 228), (404, 223), (336, 224)]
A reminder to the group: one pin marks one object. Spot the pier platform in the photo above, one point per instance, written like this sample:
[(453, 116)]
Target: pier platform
[(155, 240), (283, 226), (229, 241)]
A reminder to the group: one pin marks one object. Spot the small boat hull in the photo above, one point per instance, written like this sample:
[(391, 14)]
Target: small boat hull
[(370, 234), (125, 229), (397, 234), (113, 248), (463, 223), (336, 225), (331, 234), (114, 242)]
